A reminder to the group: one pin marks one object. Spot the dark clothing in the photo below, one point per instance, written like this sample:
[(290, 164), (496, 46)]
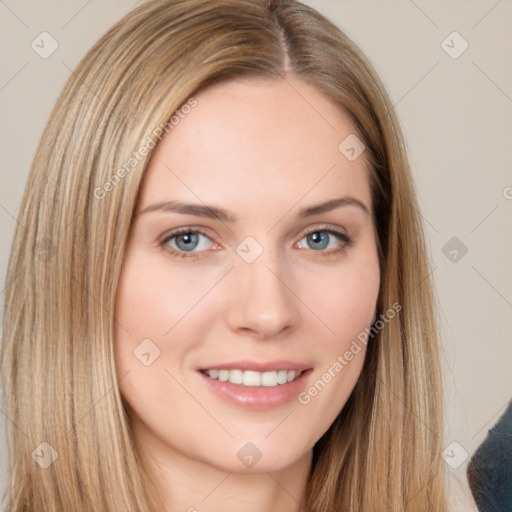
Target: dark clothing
[(490, 469)]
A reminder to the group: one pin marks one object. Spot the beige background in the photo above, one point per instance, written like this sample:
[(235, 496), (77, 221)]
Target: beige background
[(457, 117)]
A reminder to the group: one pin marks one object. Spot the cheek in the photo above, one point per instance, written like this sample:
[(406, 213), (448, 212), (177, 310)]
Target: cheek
[(346, 304), (152, 299), (345, 301), (146, 308), (152, 305)]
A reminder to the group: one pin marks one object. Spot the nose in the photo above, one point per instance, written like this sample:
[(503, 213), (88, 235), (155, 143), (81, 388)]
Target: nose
[(262, 301)]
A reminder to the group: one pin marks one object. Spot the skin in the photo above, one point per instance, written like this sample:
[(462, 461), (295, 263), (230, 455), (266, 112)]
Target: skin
[(263, 150)]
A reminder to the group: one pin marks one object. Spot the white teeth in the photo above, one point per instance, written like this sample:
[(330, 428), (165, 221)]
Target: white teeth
[(254, 379), (251, 378), (269, 379), (236, 376), (282, 377)]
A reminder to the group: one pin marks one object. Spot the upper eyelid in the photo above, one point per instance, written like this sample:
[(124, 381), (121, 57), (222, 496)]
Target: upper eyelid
[(325, 227), (181, 231)]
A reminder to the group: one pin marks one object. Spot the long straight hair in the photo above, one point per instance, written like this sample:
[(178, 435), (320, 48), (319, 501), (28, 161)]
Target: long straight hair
[(59, 380)]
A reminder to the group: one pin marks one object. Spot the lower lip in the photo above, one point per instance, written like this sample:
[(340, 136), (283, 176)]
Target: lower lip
[(257, 397)]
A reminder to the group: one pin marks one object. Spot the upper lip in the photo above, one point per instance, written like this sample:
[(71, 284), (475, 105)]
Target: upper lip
[(257, 366)]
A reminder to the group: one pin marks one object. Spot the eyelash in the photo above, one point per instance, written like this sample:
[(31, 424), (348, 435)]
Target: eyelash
[(345, 239)]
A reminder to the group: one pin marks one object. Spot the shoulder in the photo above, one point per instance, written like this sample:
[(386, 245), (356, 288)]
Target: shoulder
[(490, 468)]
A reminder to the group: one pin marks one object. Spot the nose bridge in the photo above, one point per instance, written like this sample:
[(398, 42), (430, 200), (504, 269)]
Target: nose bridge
[(261, 301)]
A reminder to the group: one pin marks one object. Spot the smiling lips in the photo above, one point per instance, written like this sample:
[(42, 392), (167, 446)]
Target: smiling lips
[(256, 390), (255, 374), (256, 385), (252, 378)]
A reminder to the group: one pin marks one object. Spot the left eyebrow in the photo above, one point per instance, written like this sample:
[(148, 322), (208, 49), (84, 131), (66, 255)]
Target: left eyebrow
[(331, 205)]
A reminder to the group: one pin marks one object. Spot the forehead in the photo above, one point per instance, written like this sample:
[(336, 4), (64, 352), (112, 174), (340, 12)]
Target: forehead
[(257, 144)]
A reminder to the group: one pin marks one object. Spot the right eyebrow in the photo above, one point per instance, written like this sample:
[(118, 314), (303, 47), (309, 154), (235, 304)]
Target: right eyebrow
[(210, 212)]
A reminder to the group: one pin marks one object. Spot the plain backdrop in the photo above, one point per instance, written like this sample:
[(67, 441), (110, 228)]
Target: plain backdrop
[(447, 68)]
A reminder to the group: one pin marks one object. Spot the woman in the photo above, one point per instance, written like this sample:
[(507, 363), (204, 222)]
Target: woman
[(219, 285)]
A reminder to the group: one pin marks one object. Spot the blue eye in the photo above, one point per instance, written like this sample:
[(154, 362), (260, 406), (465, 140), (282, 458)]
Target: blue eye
[(185, 241), (321, 239)]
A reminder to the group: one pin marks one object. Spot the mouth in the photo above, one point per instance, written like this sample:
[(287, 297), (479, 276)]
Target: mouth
[(256, 386), (251, 378)]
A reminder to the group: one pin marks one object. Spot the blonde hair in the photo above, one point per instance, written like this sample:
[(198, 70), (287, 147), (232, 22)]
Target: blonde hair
[(59, 381)]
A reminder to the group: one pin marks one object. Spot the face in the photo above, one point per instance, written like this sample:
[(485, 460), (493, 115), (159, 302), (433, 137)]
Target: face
[(251, 268)]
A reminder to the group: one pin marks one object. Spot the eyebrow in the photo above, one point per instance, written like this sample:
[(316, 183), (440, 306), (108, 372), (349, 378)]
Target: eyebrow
[(212, 212)]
